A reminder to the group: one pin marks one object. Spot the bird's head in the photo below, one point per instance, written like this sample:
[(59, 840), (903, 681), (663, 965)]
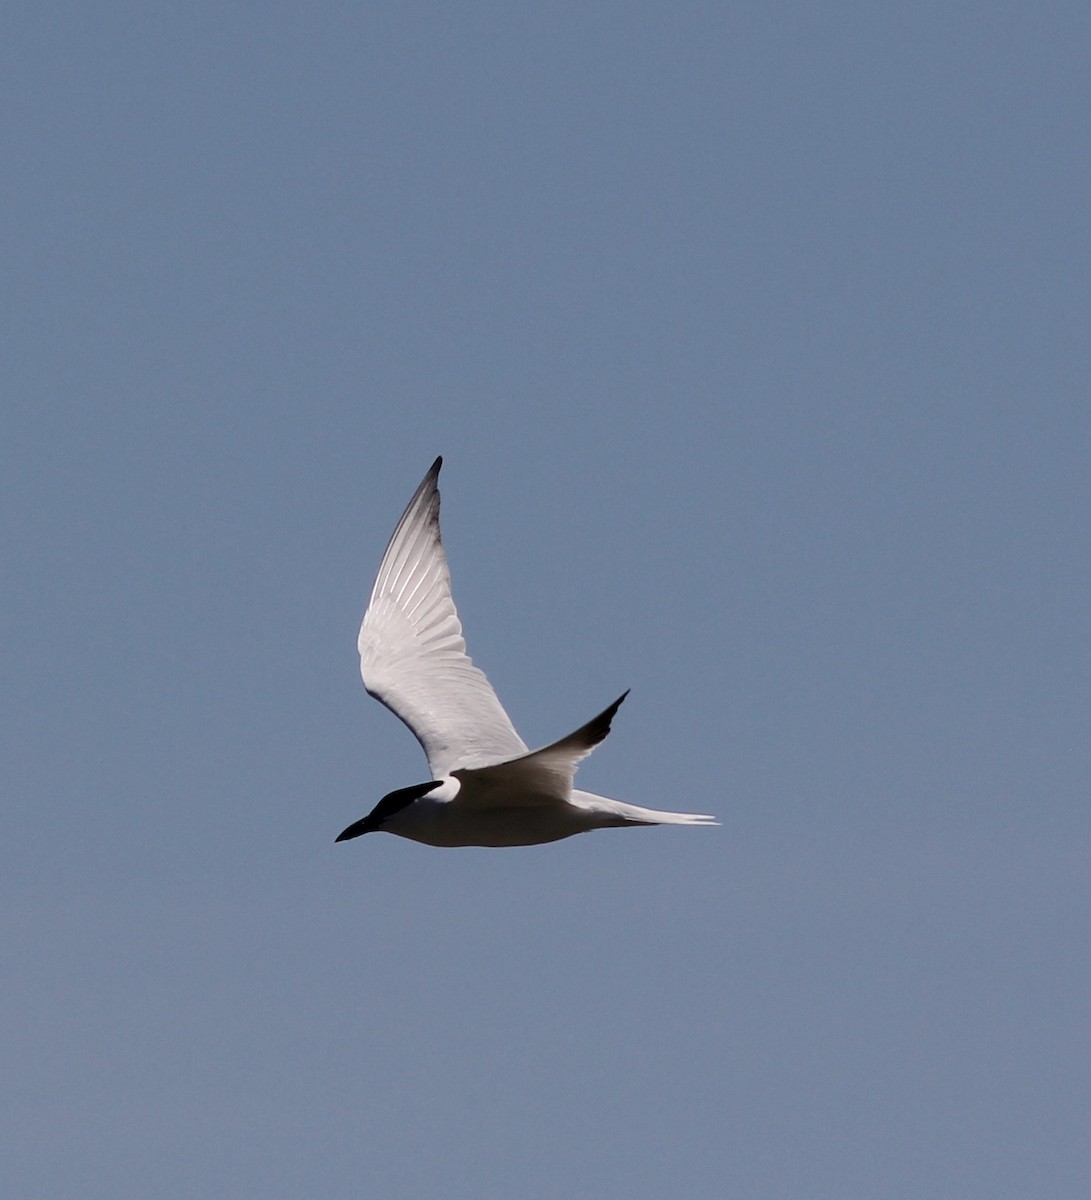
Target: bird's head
[(390, 804)]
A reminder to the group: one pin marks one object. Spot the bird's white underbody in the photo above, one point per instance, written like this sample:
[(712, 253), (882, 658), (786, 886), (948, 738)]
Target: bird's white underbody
[(486, 789)]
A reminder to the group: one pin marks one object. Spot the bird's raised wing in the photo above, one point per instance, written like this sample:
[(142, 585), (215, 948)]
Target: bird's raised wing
[(542, 777), (413, 656)]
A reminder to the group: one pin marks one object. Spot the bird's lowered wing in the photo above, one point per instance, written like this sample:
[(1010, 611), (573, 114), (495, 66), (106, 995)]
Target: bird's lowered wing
[(542, 777), (413, 656)]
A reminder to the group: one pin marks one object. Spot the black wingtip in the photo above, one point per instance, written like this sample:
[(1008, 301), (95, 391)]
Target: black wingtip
[(434, 468), (598, 727), (609, 713)]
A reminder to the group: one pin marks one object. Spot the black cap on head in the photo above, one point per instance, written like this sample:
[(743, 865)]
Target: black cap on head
[(390, 804)]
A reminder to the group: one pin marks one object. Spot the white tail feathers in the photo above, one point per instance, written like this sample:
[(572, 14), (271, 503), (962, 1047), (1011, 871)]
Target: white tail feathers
[(616, 812)]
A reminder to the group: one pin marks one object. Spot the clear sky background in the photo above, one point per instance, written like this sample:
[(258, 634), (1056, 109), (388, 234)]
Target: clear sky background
[(756, 340)]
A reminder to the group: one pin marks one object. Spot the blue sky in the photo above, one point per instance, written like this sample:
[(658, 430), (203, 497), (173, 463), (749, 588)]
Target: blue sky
[(755, 339)]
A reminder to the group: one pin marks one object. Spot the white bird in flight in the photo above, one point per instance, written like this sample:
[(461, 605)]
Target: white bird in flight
[(486, 788)]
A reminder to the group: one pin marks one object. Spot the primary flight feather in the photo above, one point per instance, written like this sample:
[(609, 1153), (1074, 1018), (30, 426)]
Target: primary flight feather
[(486, 788)]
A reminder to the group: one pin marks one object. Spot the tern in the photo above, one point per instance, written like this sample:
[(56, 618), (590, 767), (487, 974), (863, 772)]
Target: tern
[(487, 788)]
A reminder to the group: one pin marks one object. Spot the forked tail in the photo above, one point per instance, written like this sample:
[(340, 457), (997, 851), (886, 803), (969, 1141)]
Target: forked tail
[(616, 812)]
